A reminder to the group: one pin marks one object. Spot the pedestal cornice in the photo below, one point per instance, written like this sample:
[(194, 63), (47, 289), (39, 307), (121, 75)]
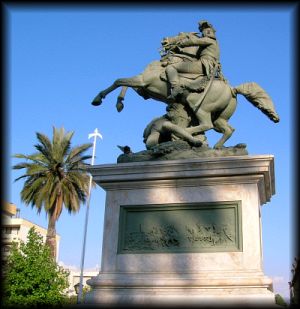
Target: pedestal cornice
[(257, 169)]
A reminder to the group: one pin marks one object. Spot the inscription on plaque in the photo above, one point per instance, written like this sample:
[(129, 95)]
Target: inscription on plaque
[(200, 227)]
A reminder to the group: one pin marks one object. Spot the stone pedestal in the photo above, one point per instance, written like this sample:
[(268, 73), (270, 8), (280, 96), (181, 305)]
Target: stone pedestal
[(184, 232)]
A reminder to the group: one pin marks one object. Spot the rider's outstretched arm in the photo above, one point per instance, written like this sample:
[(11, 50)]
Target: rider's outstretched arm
[(195, 41)]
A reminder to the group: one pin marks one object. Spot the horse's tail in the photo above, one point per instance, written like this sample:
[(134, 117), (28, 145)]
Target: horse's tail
[(259, 98)]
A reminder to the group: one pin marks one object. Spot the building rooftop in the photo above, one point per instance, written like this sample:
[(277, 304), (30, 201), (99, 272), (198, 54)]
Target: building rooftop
[(9, 209)]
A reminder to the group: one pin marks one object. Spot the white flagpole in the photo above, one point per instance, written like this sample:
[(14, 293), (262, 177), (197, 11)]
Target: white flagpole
[(95, 134)]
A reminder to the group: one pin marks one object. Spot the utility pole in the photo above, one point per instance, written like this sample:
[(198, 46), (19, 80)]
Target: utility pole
[(95, 134)]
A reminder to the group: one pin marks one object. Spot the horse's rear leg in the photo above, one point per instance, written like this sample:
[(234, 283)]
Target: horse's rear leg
[(205, 122), (203, 116), (221, 125)]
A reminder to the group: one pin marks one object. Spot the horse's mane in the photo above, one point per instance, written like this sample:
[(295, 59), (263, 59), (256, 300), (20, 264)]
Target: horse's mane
[(154, 65)]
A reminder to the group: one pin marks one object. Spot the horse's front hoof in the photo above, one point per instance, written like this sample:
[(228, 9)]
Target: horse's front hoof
[(119, 105), (97, 101)]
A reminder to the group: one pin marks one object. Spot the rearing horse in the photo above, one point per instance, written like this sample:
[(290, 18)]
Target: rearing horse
[(215, 108)]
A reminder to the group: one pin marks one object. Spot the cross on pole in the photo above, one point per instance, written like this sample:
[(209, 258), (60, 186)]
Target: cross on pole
[(95, 134)]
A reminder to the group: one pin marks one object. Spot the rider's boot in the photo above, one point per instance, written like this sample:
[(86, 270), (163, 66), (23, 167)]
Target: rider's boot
[(175, 92), (173, 78)]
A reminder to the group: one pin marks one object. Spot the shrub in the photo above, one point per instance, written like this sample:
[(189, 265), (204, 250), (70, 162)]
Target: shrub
[(32, 277)]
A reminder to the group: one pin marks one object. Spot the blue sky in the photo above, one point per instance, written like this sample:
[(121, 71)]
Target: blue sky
[(60, 58)]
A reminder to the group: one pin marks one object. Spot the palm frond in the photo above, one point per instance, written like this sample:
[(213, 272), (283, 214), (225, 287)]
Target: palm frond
[(61, 143), (32, 191), (21, 165), (78, 165), (78, 151), (45, 142), (18, 178), (48, 158), (20, 156), (33, 157)]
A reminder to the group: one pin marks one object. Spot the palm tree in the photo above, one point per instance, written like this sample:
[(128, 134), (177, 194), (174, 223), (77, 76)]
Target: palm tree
[(55, 176)]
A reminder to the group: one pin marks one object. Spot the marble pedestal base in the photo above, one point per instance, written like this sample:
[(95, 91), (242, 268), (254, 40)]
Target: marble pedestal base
[(223, 271)]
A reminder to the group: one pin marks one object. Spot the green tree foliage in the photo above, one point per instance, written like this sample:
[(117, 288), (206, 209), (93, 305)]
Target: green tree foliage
[(280, 301), (32, 278), (55, 176)]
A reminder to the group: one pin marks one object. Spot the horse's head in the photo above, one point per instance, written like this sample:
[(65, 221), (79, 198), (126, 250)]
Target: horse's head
[(169, 43), (165, 41), (174, 39)]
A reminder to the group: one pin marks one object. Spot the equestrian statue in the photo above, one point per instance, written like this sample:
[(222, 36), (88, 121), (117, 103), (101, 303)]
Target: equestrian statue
[(189, 80)]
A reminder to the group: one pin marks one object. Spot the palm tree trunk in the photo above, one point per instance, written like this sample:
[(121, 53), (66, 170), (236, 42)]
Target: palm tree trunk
[(51, 235)]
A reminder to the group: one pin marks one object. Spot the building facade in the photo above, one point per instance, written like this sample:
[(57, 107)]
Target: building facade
[(15, 228), (74, 278)]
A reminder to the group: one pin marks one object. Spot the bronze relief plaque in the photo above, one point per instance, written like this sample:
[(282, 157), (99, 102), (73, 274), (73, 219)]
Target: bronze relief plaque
[(180, 228)]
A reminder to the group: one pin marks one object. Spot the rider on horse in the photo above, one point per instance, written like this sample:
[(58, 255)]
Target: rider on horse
[(206, 58), (207, 97)]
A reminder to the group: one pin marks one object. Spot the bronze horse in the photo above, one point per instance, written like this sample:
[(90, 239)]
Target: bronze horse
[(212, 109)]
